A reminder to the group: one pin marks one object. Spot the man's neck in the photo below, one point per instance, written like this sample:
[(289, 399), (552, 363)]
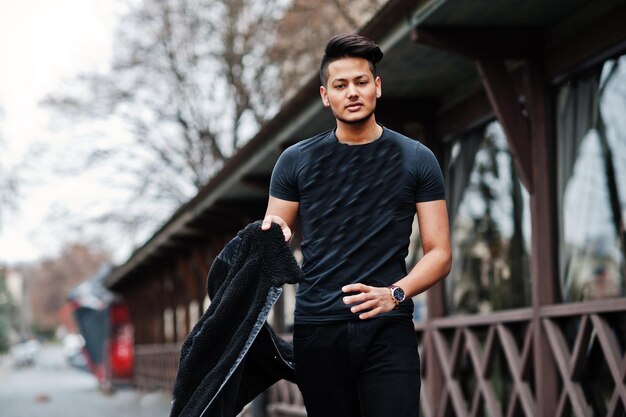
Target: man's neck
[(358, 133)]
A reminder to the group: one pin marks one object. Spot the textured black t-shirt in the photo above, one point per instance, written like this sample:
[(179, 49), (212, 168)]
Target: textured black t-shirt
[(356, 207)]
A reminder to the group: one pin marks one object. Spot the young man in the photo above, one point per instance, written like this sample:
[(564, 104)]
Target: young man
[(355, 191)]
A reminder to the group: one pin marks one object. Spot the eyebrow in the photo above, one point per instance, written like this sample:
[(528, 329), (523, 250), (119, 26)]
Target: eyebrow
[(364, 75)]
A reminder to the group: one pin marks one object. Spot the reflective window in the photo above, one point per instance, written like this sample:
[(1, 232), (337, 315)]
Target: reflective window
[(591, 181), (490, 225)]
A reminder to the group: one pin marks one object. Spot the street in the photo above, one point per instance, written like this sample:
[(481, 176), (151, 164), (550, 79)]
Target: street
[(52, 388)]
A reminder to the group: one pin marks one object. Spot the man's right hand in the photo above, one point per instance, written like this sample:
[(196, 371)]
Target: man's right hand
[(269, 219)]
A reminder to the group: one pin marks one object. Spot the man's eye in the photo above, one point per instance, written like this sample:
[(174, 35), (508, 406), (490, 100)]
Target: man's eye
[(339, 86), (362, 82)]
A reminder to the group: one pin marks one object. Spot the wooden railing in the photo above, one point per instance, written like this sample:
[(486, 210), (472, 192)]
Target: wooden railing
[(284, 400), (155, 366), (485, 363)]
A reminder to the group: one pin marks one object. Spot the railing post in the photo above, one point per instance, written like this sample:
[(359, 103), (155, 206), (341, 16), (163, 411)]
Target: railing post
[(544, 273)]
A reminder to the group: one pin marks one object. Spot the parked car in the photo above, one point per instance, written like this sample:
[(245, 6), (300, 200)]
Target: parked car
[(25, 353)]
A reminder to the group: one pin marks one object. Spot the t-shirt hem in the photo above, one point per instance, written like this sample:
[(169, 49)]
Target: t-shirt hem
[(433, 197), (283, 196)]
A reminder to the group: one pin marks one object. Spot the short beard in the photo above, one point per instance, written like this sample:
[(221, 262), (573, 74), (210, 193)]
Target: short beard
[(357, 121)]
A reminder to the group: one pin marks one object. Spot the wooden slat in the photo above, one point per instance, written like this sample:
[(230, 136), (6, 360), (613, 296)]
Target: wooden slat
[(490, 351), (477, 401), (513, 361), (563, 408), (436, 377), (613, 410), (526, 356), (427, 409), (513, 404), (456, 355), (579, 352), (561, 355), (444, 405), (588, 307), (609, 345), (510, 316), (612, 355), (454, 388), (484, 385)]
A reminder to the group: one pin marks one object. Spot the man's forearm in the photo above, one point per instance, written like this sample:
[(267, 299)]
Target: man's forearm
[(433, 267)]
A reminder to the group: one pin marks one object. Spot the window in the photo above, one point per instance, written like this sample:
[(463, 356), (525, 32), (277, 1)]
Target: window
[(490, 225), (591, 181)]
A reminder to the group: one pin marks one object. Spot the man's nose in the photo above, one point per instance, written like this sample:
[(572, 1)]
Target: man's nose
[(352, 91)]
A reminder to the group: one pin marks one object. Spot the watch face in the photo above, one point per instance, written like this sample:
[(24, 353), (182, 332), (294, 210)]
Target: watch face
[(398, 294)]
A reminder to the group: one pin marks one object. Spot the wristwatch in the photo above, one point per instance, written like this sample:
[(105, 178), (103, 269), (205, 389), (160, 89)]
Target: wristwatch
[(397, 294)]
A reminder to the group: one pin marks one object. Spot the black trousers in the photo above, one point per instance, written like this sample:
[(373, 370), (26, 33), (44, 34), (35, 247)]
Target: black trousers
[(358, 368)]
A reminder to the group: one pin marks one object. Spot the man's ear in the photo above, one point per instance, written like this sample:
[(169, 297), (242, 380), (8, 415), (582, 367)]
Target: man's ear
[(324, 95), (379, 88)]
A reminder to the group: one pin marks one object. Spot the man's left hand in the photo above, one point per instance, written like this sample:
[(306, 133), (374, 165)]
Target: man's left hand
[(369, 300)]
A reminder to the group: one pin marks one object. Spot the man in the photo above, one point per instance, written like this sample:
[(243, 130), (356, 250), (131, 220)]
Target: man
[(355, 191)]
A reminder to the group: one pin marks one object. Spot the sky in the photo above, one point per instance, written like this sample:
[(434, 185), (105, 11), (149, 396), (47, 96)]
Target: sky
[(44, 43)]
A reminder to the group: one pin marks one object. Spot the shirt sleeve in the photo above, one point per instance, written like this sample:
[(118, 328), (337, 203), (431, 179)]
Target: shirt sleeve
[(430, 184), (284, 182)]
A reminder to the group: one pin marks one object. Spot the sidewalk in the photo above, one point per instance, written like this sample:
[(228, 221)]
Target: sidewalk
[(51, 388)]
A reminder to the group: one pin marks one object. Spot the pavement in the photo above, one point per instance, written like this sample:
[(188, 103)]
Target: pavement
[(52, 388)]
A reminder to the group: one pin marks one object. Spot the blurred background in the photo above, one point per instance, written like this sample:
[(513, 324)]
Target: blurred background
[(136, 137), (112, 115)]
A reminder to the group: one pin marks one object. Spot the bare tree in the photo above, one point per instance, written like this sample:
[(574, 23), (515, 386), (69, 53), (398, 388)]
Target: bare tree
[(191, 81), (304, 31), (51, 280)]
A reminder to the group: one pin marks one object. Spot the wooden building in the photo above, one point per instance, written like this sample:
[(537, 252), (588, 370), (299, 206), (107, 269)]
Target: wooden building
[(524, 104)]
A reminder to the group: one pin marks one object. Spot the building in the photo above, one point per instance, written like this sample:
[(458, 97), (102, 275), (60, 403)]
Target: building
[(522, 103)]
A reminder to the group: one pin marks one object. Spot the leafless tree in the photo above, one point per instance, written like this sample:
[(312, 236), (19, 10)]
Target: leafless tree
[(304, 31), (192, 80), (51, 280)]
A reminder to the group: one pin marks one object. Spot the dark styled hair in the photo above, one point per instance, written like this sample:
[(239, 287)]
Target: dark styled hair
[(355, 46)]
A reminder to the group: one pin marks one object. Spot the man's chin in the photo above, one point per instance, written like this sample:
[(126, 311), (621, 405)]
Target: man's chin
[(356, 120)]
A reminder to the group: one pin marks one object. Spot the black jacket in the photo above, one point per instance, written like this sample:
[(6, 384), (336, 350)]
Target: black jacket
[(232, 354)]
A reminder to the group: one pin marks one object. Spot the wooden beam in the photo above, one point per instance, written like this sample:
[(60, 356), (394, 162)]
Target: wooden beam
[(589, 46), (504, 100), (482, 43)]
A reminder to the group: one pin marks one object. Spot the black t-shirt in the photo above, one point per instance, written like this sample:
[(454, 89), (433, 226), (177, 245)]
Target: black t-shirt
[(356, 208)]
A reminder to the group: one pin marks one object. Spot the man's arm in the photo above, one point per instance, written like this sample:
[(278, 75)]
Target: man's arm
[(432, 267), (283, 213)]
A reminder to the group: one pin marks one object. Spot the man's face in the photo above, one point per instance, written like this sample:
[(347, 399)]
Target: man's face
[(351, 90)]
